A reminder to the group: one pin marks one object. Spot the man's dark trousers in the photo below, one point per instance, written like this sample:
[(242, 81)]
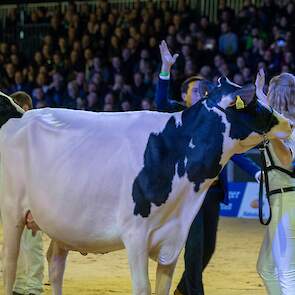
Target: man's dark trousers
[(200, 244)]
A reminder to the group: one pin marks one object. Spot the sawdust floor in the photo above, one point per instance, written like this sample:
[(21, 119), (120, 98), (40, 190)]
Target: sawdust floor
[(231, 271)]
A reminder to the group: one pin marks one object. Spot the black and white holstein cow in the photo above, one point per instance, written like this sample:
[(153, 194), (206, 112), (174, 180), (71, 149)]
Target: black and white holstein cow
[(99, 182)]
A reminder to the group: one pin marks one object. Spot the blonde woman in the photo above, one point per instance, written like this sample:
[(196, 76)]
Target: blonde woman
[(276, 262)]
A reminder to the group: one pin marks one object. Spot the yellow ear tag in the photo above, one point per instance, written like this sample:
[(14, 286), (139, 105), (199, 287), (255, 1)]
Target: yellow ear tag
[(239, 103)]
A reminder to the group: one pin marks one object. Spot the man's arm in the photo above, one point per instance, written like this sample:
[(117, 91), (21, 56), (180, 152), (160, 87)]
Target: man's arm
[(247, 165), (162, 101)]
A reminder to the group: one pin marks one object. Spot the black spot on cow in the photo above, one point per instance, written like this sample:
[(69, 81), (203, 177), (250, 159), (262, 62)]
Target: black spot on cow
[(195, 148), (7, 110)]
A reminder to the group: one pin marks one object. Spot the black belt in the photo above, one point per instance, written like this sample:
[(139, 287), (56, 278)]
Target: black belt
[(282, 190)]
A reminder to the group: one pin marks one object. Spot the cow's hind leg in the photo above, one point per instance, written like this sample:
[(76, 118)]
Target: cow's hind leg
[(56, 257), (12, 232), (164, 278), (138, 262)]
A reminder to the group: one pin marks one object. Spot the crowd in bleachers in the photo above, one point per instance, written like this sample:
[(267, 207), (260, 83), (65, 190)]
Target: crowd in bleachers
[(108, 59)]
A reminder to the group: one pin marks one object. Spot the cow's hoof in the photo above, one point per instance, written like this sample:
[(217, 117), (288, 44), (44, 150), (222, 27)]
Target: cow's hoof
[(177, 292)]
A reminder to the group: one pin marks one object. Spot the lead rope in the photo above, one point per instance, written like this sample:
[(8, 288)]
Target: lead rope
[(263, 175)]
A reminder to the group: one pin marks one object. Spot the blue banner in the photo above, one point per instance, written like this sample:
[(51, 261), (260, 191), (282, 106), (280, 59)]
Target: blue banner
[(243, 201)]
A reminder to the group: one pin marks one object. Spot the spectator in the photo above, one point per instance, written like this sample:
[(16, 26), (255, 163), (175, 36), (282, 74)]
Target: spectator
[(81, 84), (19, 84), (38, 59), (56, 90), (108, 108), (146, 104), (58, 63), (109, 99), (10, 73), (75, 64), (62, 46), (125, 106), (71, 95), (56, 29), (228, 41), (92, 102), (80, 104), (42, 80), (96, 45), (139, 89), (38, 96)]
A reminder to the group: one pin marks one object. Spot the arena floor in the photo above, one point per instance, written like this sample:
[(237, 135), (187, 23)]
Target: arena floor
[(231, 271)]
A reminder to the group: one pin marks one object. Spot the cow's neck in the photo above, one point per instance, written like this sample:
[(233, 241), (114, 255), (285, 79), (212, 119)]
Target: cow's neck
[(190, 145)]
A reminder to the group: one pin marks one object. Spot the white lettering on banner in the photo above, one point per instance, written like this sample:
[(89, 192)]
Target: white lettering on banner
[(234, 194), (226, 207)]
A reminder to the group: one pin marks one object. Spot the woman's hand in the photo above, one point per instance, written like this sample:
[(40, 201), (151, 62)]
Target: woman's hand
[(260, 80), (259, 83), (167, 59)]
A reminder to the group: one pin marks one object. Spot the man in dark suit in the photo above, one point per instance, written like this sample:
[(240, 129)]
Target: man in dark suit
[(201, 240)]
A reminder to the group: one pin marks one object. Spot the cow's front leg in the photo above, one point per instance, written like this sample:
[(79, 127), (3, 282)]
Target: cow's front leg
[(138, 262), (164, 278), (56, 257)]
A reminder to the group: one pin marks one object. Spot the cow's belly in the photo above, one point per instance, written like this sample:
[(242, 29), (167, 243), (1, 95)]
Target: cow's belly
[(101, 248), (97, 236), (97, 247), (91, 226)]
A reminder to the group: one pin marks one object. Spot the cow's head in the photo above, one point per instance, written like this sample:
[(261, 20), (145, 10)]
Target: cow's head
[(250, 120)]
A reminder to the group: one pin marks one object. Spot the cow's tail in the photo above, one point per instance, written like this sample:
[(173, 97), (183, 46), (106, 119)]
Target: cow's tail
[(8, 109)]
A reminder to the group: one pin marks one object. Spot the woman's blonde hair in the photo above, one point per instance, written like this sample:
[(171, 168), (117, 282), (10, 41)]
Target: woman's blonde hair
[(281, 94)]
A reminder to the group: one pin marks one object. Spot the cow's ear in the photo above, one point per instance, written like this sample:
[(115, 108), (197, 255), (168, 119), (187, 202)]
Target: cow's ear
[(243, 96), (222, 80)]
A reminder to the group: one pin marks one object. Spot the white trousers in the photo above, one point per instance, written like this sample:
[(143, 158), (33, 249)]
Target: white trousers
[(276, 262), (30, 264)]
